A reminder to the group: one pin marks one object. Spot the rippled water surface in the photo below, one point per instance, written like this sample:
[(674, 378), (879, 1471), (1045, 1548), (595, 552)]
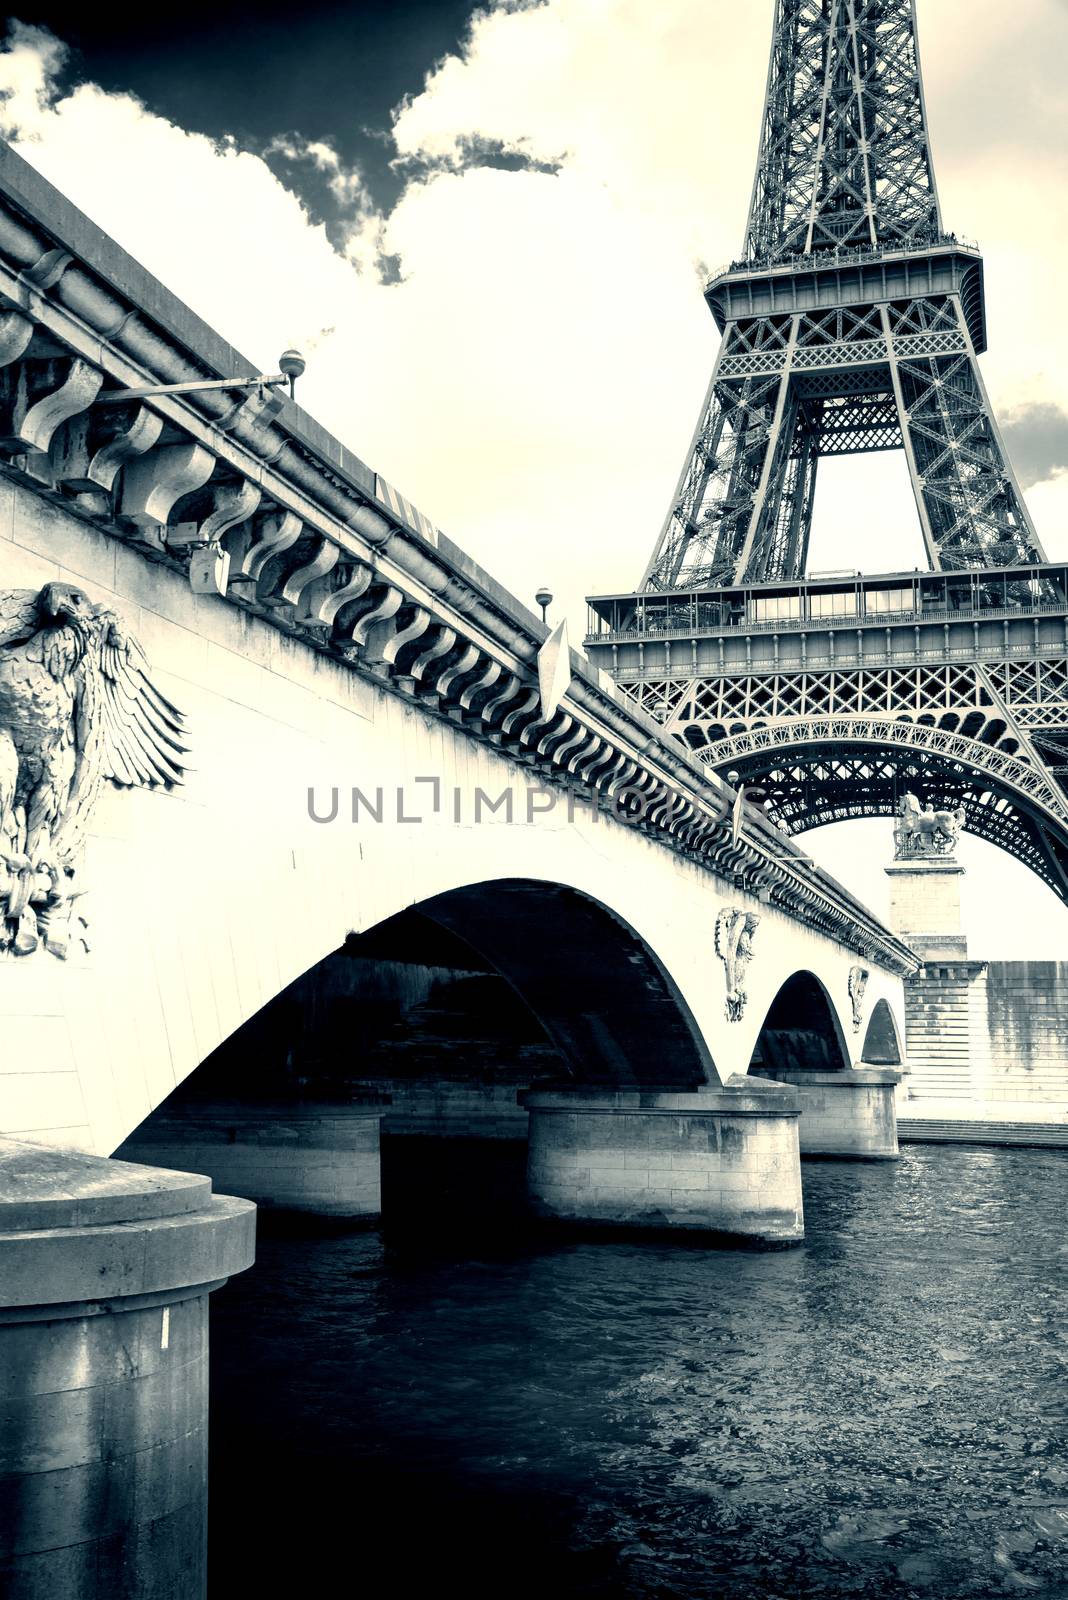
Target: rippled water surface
[(881, 1412)]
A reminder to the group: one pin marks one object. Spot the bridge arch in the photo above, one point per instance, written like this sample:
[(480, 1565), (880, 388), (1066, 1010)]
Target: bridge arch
[(603, 1004), (818, 770), (431, 1022), (603, 997), (882, 1045), (802, 1030)]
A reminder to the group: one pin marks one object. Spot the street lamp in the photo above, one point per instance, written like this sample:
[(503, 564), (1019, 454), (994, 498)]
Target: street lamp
[(290, 362)]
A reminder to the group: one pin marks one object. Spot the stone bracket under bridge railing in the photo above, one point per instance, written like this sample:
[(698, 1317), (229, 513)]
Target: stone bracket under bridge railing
[(260, 509)]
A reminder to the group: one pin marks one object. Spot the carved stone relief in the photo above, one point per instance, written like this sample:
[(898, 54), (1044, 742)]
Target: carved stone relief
[(734, 946), (858, 982), (77, 707)]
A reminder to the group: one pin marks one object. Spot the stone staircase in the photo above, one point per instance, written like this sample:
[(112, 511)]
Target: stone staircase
[(944, 1130)]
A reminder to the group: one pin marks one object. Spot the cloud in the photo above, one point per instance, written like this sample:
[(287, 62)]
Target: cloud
[(334, 194), (619, 95), (34, 61), (997, 100), (1036, 436), (1048, 503), (345, 184), (544, 343)]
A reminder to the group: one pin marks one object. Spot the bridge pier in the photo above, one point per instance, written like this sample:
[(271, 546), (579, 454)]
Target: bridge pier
[(105, 1272), (844, 1113), (720, 1161), (319, 1158)]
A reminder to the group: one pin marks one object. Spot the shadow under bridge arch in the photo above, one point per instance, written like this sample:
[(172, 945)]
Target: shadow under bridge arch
[(801, 1031), (603, 998), (882, 1038)]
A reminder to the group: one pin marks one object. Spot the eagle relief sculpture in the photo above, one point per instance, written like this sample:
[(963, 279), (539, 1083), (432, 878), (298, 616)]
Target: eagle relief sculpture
[(734, 946), (77, 707)]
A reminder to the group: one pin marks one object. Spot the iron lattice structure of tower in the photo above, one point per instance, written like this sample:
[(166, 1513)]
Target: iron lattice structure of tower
[(852, 323)]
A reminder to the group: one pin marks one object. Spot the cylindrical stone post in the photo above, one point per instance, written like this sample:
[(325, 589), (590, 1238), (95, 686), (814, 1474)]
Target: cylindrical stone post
[(720, 1161), (105, 1272)]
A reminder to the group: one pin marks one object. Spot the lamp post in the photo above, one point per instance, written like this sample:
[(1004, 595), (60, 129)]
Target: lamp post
[(291, 363)]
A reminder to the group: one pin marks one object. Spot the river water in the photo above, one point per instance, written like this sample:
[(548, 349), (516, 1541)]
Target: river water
[(882, 1412)]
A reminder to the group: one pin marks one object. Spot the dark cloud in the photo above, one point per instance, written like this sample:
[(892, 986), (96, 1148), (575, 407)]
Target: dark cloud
[(257, 70), (474, 150), (1037, 440)]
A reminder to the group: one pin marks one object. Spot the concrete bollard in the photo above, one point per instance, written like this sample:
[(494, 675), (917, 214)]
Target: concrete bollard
[(105, 1272)]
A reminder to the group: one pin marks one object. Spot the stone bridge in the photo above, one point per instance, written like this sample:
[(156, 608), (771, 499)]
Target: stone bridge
[(370, 729), (371, 726)]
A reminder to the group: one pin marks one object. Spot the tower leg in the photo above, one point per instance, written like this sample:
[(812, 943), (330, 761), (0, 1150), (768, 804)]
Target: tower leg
[(971, 510)]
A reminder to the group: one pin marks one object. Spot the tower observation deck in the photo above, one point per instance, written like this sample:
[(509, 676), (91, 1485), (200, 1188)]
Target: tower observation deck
[(851, 323)]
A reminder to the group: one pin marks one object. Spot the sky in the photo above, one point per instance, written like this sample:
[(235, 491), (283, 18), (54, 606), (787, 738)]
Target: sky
[(488, 230)]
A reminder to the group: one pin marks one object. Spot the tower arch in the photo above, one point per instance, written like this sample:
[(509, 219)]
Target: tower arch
[(816, 771)]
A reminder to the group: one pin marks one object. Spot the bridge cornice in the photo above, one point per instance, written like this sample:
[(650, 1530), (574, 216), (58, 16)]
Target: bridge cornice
[(256, 505)]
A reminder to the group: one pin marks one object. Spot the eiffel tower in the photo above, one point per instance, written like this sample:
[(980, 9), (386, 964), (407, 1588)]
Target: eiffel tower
[(852, 323)]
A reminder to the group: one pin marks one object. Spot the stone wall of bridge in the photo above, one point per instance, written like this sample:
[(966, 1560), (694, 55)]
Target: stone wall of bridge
[(204, 902)]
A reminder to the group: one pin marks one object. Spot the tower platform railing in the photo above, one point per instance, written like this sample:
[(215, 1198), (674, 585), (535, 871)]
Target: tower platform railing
[(847, 256), (848, 623)]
